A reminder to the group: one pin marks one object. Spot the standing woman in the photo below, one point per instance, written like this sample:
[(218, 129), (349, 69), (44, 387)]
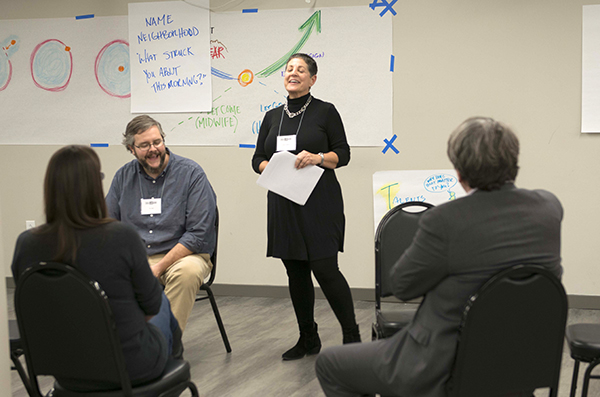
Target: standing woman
[(78, 232), (308, 238)]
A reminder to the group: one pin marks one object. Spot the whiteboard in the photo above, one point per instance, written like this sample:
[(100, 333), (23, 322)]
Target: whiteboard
[(391, 188), (590, 76), (246, 49)]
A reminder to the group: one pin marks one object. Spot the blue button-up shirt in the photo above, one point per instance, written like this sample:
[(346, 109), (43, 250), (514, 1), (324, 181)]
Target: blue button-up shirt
[(188, 205)]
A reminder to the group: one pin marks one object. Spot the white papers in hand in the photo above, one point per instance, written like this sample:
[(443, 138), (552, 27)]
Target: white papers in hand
[(281, 177)]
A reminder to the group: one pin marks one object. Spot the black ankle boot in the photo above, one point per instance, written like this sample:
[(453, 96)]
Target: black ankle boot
[(351, 335), (177, 347), (309, 343)]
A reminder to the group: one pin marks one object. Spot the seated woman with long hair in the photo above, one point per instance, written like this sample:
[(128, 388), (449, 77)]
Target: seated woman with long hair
[(77, 232)]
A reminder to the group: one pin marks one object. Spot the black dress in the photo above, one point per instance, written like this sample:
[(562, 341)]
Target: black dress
[(316, 230)]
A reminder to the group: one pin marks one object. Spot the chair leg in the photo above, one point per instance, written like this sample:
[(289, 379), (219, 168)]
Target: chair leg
[(21, 371), (193, 389), (574, 380), (213, 303), (587, 376)]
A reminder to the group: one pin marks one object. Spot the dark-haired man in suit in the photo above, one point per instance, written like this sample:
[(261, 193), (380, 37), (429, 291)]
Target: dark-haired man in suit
[(458, 247)]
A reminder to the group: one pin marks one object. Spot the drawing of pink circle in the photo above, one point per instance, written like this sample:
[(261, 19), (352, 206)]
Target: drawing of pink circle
[(112, 69), (5, 71), (51, 65)]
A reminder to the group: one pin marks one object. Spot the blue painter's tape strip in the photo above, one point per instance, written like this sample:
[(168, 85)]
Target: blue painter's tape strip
[(98, 144), (392, 60), (88, 16), (247, 146), (249, 10)]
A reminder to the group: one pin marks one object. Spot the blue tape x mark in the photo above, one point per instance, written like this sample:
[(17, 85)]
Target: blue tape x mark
[(383, 3), (390, 146)]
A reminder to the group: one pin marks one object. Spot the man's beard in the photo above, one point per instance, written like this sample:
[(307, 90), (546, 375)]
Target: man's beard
[(148, 168)]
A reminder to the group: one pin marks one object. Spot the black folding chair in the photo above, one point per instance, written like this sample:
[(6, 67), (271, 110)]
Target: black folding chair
[(394, 235), (68, 332), (16, 351), (584, 343), (209, 294), (511, 336)]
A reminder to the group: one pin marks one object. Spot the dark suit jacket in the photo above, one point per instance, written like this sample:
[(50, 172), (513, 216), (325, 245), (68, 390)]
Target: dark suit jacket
[(459, 246)]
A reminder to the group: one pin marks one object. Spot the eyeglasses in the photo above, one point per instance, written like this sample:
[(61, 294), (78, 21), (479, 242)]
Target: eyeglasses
[(146, 145)]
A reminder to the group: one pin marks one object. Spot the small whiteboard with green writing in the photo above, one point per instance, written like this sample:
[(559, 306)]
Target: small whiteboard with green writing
[(391, 188)]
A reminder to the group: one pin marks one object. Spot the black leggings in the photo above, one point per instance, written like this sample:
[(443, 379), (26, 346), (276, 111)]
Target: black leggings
[(333, 284)]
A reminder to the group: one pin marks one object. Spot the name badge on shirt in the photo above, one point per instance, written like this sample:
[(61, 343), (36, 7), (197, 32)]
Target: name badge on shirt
[(151, 206), (286, 142)]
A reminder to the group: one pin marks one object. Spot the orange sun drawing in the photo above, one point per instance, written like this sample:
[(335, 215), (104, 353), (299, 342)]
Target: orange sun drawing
[(245, 77)]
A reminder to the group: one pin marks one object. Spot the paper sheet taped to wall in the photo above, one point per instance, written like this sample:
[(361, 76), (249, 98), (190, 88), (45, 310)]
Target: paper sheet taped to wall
[(590, 76), (169, 44), (87, 97)]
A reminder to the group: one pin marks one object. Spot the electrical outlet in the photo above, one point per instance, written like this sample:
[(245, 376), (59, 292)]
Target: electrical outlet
[(29, 224)]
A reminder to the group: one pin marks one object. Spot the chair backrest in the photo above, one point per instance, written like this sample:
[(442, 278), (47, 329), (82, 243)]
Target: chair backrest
[(67, 327), (511, 336), (394, 235), (213, 257)]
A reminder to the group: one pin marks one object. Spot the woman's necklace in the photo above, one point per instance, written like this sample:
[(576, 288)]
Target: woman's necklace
[(292, 115)]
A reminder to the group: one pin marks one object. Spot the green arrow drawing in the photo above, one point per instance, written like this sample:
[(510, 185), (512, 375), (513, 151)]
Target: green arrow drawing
[(313, 22)]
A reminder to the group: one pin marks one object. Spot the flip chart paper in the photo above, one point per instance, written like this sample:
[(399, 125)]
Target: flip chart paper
[(94, 89), (170, 57), (590, 76)]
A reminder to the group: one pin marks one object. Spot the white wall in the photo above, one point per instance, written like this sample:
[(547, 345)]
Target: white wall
[(4, 348), (517, 61)]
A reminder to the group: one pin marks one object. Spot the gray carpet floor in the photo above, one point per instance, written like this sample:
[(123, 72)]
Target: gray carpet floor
[(260, 330)]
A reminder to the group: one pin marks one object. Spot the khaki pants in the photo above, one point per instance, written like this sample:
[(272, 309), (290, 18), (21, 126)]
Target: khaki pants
[(182, 280)]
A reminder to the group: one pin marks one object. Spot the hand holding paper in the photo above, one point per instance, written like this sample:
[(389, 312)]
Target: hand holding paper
[(283, 178)]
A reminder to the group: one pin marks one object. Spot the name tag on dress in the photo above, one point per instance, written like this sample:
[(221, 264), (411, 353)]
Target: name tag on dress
[(151, 206), (286, 142)]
